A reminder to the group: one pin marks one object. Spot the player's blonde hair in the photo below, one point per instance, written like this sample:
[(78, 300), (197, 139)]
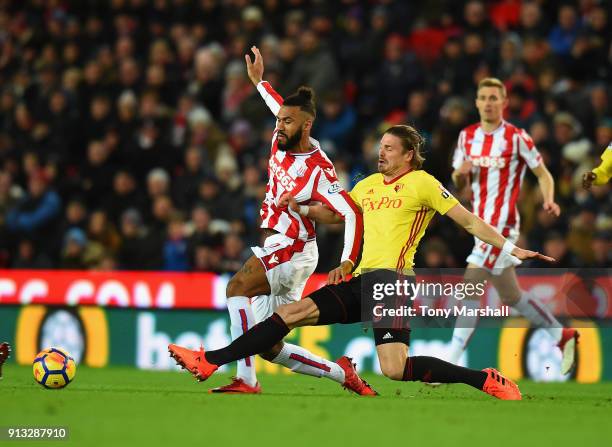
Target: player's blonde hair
[(492, 82), (411, 141)]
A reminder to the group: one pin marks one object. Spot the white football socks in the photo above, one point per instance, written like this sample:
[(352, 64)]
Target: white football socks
[(529, 306), (464, 328), (241, 320), (539, 315), (302, 361)]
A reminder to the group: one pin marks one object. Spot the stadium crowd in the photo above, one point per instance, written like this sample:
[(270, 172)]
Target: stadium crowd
[(131, 137)]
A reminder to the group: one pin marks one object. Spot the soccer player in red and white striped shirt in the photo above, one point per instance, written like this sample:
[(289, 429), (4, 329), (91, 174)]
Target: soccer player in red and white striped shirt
[(492, 156), (278, 271)]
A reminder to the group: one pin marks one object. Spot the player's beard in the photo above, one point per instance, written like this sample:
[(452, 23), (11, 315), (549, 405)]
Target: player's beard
[(292, 141)]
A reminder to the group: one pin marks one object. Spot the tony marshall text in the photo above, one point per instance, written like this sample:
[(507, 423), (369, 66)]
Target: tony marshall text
[(426, 311)]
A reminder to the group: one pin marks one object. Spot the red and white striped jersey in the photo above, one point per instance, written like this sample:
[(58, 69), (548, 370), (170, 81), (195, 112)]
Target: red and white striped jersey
[(309, 177), (499, 161)]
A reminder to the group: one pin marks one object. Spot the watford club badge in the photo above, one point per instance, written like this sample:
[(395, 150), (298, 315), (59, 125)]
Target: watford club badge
[(398, 187)]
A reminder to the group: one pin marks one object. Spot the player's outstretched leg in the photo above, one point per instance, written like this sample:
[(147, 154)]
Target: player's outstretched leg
[(293, 357), (5, 353), (397, 365), (260, 338), (302, 361), (431, 369)]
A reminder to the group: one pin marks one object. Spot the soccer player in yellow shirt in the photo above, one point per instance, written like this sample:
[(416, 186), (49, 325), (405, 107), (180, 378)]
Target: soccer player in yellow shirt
[(397, 204), (602, 173)]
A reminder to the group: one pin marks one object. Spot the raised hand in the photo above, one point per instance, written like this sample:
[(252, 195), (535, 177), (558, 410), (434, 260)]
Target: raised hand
[(255, 69)]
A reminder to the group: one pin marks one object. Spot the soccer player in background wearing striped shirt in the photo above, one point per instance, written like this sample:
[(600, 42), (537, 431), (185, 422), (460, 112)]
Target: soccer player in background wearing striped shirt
[(491, 157)]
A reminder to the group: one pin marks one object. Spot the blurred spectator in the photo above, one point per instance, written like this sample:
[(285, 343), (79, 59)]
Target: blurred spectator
[(123, 196), (602, 250), (452, 74), (137, 251), (315, 66), (96, 173), (521, 109), (533, 24), (75, 215), (399, 73), (336, 123), (36, 216), (234, 254), (556, 247), (74, 250), (103, 233), (565, 32), (477, 21), (211, 197), (186, 182), (28, 258), (205, 259), (237, 89), (435, 254), (176, 256), (201, 234)]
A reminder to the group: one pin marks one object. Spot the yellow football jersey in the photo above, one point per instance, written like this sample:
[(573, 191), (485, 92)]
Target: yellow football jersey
[(395, 216), (604, 170)]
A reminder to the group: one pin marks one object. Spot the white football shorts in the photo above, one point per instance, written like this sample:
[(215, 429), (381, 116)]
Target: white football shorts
[(288, 263), (491, 258)]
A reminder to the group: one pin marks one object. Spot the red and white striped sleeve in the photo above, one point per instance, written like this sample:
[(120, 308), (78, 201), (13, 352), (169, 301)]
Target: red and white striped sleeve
[(273, 100), (327, 190), (527, 150)]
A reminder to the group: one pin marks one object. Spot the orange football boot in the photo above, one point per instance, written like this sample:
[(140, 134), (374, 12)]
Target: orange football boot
[(499, 386), (193, 361), (352, 381), (238, 386)]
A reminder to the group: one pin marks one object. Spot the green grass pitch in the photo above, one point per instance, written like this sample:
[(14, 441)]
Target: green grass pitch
[(125, 406)]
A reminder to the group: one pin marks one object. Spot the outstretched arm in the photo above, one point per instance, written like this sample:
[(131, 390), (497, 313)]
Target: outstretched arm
[(255, 70), (547, 186), (486, 233)]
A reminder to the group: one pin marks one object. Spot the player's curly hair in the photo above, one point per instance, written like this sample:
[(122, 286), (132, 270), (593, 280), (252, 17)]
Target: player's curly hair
[(411, 141), (304, 98)]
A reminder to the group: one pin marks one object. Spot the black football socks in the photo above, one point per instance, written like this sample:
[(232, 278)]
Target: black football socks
[(434, 370), (258, 339)]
